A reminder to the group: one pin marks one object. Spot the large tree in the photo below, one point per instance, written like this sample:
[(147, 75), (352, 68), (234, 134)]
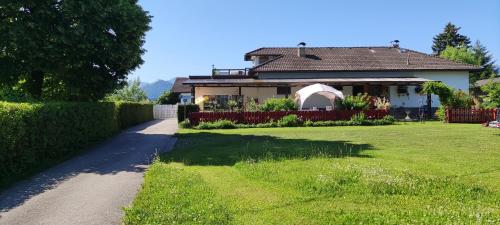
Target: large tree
[(485, 59), (131, 92), (449, 37), (477, 55), (85, 48)]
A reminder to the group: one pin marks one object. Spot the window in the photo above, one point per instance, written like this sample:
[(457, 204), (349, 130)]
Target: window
[(358, 89), (220, 102), (402, 90), (338, 87), (284, 91)]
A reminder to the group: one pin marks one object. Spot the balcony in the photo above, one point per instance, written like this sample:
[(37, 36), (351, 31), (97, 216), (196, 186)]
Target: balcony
[(231, 72)]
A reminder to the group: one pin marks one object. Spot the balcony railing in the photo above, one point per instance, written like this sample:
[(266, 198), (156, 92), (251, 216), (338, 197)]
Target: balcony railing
[(231, 72)]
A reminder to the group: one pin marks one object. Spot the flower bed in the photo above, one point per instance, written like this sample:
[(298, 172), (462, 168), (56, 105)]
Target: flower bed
[(266, 117)]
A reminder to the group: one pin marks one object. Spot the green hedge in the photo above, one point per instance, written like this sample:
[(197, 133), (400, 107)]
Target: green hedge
[(35, 136), (131, 114), (181, 116)]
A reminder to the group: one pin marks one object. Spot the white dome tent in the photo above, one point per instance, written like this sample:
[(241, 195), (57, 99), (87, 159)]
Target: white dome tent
[(329, 92)]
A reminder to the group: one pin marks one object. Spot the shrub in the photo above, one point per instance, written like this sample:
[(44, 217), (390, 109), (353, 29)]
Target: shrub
[(438, 88), (252, 106), (168, 98), (279, 104), (189, 108), (460, 99), (289, 121), (382, 103), (35, 136), (358, 102), (492, 97), (219, 124), (358, 118), (441, 112), (185, 124), (308, 123), (131, 114)]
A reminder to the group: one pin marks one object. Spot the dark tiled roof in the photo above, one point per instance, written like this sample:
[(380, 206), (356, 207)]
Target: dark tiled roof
[(178, 87), (487, 81), (353, 59), (263, 82)]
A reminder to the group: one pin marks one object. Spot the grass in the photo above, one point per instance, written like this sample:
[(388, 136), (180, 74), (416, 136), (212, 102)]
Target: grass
[(414, 173)]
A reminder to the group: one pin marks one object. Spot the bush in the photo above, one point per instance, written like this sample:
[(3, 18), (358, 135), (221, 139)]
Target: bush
[(441, 113), (460, 99), (492, 98), (168, 98), (181, 115), (35, 136), (185, 124), (358, 102), (279, 104), (358, 118), (251, 105), (289, 121), (219, 124), (131, 114)]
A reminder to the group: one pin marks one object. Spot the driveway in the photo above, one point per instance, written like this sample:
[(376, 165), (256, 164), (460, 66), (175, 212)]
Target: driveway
[(91, 188)]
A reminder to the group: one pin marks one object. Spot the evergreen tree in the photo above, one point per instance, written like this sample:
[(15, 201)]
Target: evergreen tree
[(485, 59), (449, 37)]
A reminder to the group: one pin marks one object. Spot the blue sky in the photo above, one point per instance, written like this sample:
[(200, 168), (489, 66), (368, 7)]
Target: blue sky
[(188, 36)]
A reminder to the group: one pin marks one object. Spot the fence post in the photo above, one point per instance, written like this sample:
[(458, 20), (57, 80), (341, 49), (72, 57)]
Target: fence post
[(447, 115)]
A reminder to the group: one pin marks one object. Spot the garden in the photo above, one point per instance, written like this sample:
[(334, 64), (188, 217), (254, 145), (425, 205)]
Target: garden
[(408, 173), (358, 110)]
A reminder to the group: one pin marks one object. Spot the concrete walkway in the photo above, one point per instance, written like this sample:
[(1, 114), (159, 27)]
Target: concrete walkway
[(91, 188)]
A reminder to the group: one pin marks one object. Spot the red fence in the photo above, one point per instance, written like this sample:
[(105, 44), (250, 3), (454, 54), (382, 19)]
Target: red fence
[(264, 117), (470, 115)]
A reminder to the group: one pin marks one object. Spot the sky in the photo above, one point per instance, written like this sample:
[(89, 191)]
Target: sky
[(189, 36)]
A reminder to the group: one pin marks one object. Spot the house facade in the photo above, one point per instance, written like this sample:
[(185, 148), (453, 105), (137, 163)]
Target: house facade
[(391, 72), (184, 91)]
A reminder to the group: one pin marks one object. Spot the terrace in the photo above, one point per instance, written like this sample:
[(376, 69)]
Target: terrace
[(231, 72)]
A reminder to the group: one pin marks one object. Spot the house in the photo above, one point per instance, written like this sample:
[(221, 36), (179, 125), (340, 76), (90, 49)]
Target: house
[(184, 91), (481, 83), (391, 72)]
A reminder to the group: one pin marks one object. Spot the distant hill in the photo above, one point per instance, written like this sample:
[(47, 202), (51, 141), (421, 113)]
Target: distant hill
[(155, 89)]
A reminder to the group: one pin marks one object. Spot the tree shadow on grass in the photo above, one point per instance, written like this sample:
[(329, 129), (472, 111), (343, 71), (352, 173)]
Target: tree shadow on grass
[(206, 148)]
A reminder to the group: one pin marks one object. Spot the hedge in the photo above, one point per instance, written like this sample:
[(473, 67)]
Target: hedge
[(35, 136), (181, 116)]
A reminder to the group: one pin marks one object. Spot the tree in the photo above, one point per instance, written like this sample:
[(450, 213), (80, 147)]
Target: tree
[(87, 47), (477, 55), (449, 37), (131, 92), (492, 97), (168, 98), (485, 59)]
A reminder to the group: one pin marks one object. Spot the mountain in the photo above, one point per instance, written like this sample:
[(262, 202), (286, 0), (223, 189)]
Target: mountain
[(155, 89)]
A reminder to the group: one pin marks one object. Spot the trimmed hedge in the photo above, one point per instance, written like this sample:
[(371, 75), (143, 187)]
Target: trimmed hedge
[(131, 114), (292, 121), (181, 116), (35, 136)]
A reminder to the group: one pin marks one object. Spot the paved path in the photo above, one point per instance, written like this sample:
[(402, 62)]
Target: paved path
[(91, 188)]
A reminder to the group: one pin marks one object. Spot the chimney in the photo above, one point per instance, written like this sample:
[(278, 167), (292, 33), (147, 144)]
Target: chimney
[(301, 49), (395, 43)]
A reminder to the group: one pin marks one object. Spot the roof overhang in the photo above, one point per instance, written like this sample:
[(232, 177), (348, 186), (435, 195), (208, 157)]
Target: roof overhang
[(300, 82)]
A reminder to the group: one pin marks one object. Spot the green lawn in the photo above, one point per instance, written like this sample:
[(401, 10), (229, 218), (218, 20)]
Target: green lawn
[(414, 173)]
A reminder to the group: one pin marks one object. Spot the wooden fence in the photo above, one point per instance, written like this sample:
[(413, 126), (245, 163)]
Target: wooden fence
[(470, 115), (164, 111), (264, 117)]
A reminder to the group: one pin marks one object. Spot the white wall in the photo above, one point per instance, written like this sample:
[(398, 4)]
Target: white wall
[(455, 79)]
